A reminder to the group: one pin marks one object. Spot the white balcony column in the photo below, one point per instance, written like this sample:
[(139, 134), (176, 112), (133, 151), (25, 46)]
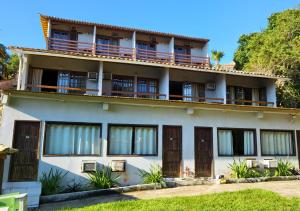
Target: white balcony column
[(23, 72), (134, 45), (172, 49), (271, 92), (94, 40), (221, 87), (100, 78), (48, 34), (164, 84)]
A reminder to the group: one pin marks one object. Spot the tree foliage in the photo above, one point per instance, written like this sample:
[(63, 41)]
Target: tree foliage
[(9, 64), (276, 50)]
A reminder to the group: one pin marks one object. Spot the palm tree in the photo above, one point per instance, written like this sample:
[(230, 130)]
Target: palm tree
[(217, 56)]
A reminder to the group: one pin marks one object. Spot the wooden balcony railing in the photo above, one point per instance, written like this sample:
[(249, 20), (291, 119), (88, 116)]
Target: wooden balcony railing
[(187, 59), (250, 102), (136, 94), (114, 51), (70, 45), (62, 89), (153, 56), (125, 52), (197, 99)]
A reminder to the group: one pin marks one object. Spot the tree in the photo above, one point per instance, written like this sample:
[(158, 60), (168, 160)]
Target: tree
[(217, 56), (275, 50), (9, 64)]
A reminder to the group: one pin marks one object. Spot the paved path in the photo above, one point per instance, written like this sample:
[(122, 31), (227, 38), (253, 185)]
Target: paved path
[(285, 188)]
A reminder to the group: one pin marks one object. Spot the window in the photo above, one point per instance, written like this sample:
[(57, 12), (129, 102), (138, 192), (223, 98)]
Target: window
[(107, 46), (132, 140), (244, 96), (238, 142), (123, 85), (193, 91), (277, 142), (72, 80), (146, 85), (72, 139)]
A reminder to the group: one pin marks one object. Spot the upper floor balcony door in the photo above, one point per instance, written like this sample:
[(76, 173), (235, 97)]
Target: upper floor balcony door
[(107, 46), (182, 54)]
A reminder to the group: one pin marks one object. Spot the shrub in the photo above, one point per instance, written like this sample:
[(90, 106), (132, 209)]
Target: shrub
[(267, 173), (73, 187), (252, 173), (153, 176), (51, 181), (284, 168), (102, 179), (239, 169)]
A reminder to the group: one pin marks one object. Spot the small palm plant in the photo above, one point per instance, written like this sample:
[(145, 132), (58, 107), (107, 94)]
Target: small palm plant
[(217, 56), (52, 181), (153, 176), (102, 179), (284, 168), (239, 169)]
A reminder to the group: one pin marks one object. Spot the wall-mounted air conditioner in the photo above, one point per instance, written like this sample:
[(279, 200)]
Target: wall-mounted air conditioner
[(107, 76), (92, 76), (118, 165), (88, 166), (270, 163), (252, 164), (211, 86)]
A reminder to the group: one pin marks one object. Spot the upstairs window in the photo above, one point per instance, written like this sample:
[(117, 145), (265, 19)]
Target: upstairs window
[(123, 85), (148, 86), (245, 96), (193, 91), (236, 142), (71, 80), (107, 46)]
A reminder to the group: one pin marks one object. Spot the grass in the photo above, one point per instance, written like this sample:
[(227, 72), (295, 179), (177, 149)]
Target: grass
[(254, 199)]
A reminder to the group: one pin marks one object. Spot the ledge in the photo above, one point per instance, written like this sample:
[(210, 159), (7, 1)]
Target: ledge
[(84, 194), (262, 179)]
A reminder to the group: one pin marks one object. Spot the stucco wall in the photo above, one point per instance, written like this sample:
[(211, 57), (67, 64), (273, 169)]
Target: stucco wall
[(46, 110)]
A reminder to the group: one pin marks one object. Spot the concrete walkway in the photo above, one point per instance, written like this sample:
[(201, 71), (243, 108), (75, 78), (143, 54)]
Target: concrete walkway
[(284, 188)]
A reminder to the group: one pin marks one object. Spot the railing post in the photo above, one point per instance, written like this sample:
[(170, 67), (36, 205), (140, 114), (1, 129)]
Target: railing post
[(134, 54), (134, 45)]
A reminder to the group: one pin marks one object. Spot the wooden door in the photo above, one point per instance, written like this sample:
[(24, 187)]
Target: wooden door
[(172, 151), (298, 146), (24, 163), (203, 151)]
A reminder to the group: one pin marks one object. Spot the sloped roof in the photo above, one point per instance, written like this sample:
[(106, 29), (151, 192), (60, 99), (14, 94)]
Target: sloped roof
[(116, 59), (44, 21)]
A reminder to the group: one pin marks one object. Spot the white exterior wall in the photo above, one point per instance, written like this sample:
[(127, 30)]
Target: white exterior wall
[(43, 110)]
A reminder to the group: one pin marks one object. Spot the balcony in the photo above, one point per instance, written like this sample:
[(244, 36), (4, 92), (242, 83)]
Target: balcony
[(126, 52)]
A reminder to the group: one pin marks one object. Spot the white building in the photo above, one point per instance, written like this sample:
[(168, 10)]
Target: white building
[(103, 93)]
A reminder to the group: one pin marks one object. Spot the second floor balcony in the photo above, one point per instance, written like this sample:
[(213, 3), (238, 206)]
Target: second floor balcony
[(115, 50)]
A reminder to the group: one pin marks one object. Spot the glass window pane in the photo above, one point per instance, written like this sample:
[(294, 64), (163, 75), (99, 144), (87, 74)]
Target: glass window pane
[(120, 140), (276, 143), (145, 142), (68, 139), (225, 139)]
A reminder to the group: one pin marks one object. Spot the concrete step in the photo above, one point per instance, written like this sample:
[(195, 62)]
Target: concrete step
[(176, 182)]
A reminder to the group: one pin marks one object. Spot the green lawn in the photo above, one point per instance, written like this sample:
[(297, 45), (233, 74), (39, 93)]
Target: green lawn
[(242, 200)]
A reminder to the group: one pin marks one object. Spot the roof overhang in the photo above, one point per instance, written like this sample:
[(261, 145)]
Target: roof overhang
[(75, 55), (44, 22), (148, 102)]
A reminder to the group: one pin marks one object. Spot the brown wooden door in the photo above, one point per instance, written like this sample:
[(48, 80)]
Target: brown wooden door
[(172, 151), (203, 151), (298, 146), (24, 163)]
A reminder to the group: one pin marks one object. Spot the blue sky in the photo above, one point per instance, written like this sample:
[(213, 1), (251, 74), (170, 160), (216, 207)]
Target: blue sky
[(221, 21)]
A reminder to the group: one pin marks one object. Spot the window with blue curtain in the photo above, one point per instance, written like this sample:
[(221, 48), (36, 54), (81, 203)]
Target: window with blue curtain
[(132, 140), (72, 139)]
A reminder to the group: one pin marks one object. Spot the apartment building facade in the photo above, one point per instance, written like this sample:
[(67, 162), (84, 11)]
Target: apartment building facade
[(131, 98)]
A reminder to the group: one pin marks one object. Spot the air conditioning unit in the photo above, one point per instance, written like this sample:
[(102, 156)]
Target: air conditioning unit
[(107, 76), (270, 163), (92, 76), (211, 86), (252, 164), (118, 165), (88, 166)]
